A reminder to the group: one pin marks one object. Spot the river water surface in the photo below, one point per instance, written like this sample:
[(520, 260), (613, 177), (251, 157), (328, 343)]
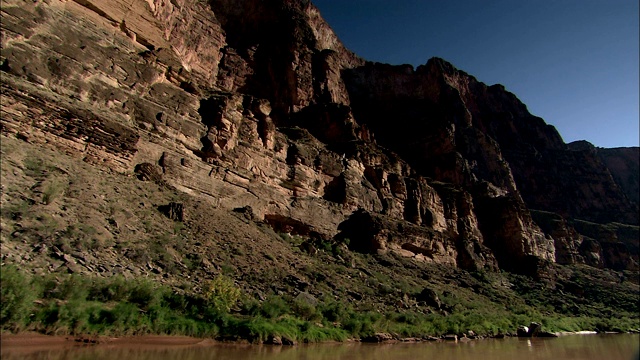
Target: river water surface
[(583, 347)]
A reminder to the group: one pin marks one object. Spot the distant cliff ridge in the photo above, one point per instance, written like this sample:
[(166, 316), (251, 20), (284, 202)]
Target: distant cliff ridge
[(259, 104)]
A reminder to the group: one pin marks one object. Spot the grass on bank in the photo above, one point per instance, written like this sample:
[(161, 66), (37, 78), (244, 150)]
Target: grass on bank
[(71, 304)]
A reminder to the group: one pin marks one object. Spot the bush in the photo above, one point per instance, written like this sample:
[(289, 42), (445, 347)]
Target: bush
[(51, 192), (16, 297), (74, 287), (221, 294), (73, 317), (305, 310), (361, 324), (274, 307), (333, 311)]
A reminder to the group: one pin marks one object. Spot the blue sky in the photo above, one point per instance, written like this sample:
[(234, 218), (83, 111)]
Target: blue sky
[(572, 62)]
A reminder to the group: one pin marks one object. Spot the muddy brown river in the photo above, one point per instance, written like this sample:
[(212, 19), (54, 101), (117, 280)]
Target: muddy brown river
[(583, 347)]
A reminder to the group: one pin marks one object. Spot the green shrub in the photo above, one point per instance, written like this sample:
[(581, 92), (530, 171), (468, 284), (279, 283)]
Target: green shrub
[(221, 293), (34, 167), (73, 316), (126, 317), (333, 311), (16, 297), (105, 290), (361, 324), (250, 306), (52, 191), (274, 307), (144, 294), (74, 287), (305, 311)]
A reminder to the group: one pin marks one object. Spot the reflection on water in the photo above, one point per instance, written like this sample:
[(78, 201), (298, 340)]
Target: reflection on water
[(612, 347)]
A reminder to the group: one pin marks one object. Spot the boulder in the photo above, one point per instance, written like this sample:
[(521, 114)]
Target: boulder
[(450, 337), (288, 341), (273, 340), (377, 338), (430, 297), (522, 331), (534, 329)]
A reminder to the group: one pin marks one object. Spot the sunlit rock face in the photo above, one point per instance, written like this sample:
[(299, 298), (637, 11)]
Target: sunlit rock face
[(258, 104)]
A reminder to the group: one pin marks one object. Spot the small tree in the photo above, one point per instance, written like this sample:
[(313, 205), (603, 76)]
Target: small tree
[(221, 293)]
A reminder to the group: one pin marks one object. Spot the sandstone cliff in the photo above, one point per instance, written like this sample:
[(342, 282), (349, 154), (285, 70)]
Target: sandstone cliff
[(258, 104)]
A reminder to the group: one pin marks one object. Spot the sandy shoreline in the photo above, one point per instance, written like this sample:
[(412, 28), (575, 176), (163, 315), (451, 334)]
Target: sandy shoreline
[(32, 340)]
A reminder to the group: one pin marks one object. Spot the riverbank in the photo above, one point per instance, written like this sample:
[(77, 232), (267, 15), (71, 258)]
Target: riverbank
[(66, 304)]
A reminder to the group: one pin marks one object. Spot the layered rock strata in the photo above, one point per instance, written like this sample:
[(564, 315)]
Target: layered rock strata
[(258, 104)]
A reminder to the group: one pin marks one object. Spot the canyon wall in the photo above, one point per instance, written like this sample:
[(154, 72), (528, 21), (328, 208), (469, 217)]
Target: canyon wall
[(258, 104)]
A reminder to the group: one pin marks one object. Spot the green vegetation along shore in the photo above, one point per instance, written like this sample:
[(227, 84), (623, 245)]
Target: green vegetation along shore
[(77, 305)]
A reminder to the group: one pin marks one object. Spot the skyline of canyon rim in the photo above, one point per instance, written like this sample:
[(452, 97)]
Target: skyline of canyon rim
[(573, 63)]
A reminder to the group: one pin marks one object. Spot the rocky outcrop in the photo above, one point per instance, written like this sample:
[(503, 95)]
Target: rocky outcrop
[(258, 105), (567, 241), (374, 233), (610, 245), (434, 128), (614, 244)]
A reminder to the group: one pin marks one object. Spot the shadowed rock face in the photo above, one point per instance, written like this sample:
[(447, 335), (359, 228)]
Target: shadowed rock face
[(453, 128), (623, 163), (258, 104)]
